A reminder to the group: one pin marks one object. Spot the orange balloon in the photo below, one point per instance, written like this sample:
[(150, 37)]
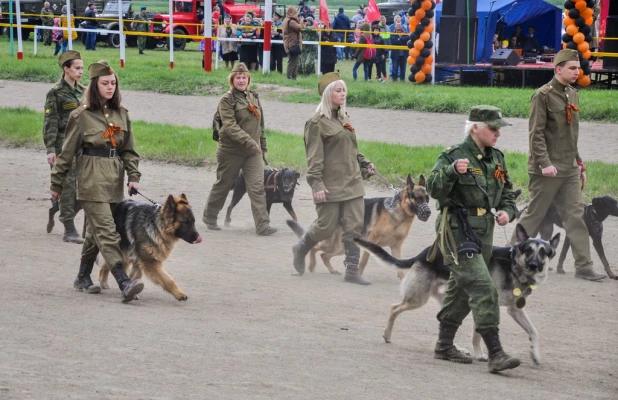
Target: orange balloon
[(583, 47), (568, 21), (429, 28), (425, 36), (420, 13), (580, 5), (411, 60), (589, 21), (586, 13), (587, 54), (414, 52), (419, 77), (572, 29), (579, 37), (583, 80), (581, 71), (429, 59), (426, 5), (419, 44), (426, 69), (563, 46), (413, 22)]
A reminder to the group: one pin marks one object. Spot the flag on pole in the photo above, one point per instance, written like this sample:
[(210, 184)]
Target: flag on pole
[(373, 13), (324, 13)]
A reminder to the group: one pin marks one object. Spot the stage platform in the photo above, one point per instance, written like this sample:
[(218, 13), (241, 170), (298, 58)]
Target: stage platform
[(522, 75)]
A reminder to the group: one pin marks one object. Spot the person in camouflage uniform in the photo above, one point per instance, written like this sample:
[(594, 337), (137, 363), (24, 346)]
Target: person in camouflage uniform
[(141, 25), (310, 52), (100, 129), (469, 180), (47, 19), (61, 100)]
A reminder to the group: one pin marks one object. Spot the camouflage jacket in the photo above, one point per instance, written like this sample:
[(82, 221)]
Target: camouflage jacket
[(47, 17), (141, 23), (333, 160), (61, 100), (99, 179), (241, 129), (454, 190)]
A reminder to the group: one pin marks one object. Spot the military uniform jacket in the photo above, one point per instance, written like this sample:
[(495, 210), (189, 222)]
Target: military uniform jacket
[(61, 100), (241, 129), (141, 23), (454, 190), (334, 162), (47, 17), (98, 178), (553, 141)]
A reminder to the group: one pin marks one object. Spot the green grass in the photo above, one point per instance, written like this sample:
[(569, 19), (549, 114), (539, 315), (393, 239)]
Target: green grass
[(22, 127)]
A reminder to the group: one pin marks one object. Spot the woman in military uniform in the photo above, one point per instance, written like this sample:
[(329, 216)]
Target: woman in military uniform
[(470, 180), (242, 145), (61, 100), (101, 130), (336, 170)]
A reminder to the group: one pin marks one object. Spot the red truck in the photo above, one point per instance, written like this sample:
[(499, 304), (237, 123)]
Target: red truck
[(189, 13)]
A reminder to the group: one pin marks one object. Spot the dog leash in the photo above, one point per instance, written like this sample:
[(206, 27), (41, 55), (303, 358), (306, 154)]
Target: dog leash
[(135, 191), (390, 186)]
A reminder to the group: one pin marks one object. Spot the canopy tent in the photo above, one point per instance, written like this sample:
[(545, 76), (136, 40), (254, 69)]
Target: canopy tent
[(546, 18)]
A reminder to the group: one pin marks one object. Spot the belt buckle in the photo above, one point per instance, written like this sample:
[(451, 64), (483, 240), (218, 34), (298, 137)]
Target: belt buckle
[(112, 153), (480, 212)]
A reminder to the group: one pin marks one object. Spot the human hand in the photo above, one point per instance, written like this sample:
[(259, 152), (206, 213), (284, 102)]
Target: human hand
[(264, 153), (320, 196), (582, 177), (131, 186), (371, 169), (502, 218), (549, 171), (51, 158), (461, 165), (55, 195)]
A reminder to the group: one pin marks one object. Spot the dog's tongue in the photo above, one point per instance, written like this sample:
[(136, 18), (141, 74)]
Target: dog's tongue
[(198, 240)]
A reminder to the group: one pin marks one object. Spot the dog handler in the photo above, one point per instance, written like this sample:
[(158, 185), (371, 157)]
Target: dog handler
[(101, 131), (61, 100), (336, 170), (242, 145), (557, 173), (469, 180)]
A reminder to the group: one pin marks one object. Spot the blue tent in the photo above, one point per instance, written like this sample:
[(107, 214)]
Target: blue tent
[(546, 18)]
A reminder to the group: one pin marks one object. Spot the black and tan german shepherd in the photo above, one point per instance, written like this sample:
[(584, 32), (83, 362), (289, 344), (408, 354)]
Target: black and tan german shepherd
[(387, 222), (147, 236), (515, 271)]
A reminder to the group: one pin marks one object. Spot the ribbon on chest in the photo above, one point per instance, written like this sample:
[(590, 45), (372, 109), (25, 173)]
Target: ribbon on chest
[(109, 134)]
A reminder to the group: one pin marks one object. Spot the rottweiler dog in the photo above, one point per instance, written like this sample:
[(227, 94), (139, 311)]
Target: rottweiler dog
[(279, 185)]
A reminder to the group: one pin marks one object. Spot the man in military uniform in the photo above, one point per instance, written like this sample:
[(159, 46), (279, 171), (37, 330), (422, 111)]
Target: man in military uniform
[(556, 170), (310, 52), (469, 181), (141, 25), (47, 19), (61, 100)]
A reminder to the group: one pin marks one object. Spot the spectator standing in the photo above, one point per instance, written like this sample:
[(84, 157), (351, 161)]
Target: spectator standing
[(91, 23), (365, 37), (381, 55), (141, 25), (399, 57), (248, 29), (292, 40), (340, 22), (57, 36), (65, 33), (310, 52), (329, 53), (47, 19), (276, 49), (229, 50), (358, 17), (531, 44)]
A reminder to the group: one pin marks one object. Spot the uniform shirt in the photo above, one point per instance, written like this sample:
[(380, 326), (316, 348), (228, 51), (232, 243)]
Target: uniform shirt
[(99, 179), (61, 100), (333, 158), (241, 129), (454, 190), (552, 140), (47, 17), (141, 23)]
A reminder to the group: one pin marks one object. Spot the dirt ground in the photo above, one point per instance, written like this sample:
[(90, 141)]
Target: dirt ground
[(597, 141), (253, 330)]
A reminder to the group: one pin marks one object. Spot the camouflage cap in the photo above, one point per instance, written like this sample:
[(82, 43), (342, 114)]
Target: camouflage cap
[(326, 80), (240, 67), (68, 56), (566, 55), (99, 68), (487, 114)]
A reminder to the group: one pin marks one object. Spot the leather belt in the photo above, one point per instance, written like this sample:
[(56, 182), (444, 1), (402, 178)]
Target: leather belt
[(108, 153), (473, 212)]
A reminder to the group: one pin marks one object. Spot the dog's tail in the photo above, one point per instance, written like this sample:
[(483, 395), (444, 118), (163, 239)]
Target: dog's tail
[(384, 256), (297, 229)]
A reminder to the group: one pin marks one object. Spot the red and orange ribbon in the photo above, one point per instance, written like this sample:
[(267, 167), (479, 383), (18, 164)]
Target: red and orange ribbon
[(348, 127), (570, 107), (500, 173), (109, 134), (254, 110)]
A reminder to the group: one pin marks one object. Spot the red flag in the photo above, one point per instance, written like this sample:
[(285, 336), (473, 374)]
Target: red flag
[(373, 13), (324, 13)]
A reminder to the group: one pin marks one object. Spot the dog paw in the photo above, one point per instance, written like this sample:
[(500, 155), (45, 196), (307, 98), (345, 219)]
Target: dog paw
[(386, 339), (482, 358), (104, 285), (182, 297), (463, 350), (227, 224), (335, 272), (135, 297)]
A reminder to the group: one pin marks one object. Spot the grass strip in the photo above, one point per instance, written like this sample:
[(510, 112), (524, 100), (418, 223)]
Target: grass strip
[(22, 127)]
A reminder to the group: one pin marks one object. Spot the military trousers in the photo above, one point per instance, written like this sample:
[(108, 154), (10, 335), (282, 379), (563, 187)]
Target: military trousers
[(68, 200), (101, 234), (350, 214), (46, 36), (228, 167), (470, 287), (141, 43), (292, 68), (565, 194)]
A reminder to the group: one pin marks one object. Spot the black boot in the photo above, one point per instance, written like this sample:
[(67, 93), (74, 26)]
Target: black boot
[(70, 233), (445, 349), (129, 288), (83, 281), (498, 359), (300, 251), (352, 257)]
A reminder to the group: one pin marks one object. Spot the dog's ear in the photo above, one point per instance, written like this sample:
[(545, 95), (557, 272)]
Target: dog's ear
[(170, 206), (184, 197), (421, 181), (555, 241), (410, 181), (521, 233)]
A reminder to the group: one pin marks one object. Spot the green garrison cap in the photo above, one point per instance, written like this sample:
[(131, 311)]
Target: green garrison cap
[(240, 67), (100, 68), (68, 56), (487, 114), (326, 80), (566, 55)]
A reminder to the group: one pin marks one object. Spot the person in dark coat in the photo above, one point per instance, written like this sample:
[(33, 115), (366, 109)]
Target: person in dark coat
[(329, 53)]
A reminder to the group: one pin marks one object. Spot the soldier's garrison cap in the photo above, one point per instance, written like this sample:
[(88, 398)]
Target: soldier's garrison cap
[(488, 114), (68, 56), (99, 68), (326, 80), (240, 67), (566, 55)]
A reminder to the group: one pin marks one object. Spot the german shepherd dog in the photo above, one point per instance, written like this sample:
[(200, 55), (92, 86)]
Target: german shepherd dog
[(594, 215), (515, 271), (279, 186), (147, 236), (387, 222)]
